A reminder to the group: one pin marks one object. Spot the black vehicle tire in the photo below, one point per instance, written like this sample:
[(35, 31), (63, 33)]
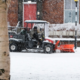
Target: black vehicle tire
[(48, 48), (13, 47)]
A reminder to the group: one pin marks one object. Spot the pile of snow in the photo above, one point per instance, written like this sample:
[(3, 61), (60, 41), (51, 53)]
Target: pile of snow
[(60, 27), (65, 26)]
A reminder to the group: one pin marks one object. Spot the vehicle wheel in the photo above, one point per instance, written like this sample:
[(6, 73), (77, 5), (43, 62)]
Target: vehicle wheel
[(48, 48), (13, 47)]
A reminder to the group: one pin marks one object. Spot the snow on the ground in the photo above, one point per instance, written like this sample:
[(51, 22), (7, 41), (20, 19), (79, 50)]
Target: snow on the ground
[(41, 66)]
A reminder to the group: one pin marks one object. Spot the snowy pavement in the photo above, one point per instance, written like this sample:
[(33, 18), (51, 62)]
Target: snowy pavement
[(41, 66)]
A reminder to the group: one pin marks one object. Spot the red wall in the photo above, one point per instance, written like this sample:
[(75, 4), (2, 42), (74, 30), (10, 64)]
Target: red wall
[(29, 13), (53, 11), (13, 13)]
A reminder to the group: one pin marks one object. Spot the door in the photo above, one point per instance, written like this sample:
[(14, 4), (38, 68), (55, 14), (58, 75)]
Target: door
[(29, 13)]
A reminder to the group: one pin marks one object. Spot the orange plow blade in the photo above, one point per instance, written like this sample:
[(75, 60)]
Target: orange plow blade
[(66, 48)]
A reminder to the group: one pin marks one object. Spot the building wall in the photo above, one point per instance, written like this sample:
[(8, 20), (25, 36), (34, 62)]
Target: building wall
[(53, 11), (13, 13), (50, 10)]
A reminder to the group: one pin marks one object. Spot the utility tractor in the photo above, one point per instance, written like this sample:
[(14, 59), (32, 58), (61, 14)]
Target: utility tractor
[(26, 40)]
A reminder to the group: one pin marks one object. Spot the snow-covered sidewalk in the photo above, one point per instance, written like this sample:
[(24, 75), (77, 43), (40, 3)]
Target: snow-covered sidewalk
[(40, 66)]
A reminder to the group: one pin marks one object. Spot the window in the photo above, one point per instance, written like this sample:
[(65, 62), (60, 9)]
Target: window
[(69, 11)]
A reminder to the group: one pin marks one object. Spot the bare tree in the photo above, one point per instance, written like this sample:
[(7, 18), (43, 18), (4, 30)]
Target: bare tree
[(4, 42)]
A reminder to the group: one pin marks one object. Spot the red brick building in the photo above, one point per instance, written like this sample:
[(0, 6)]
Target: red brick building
[(60, 11), (13, 13), (53, 11)]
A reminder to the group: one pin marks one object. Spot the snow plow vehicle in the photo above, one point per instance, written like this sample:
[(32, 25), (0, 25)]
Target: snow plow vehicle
[(32, 41)]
